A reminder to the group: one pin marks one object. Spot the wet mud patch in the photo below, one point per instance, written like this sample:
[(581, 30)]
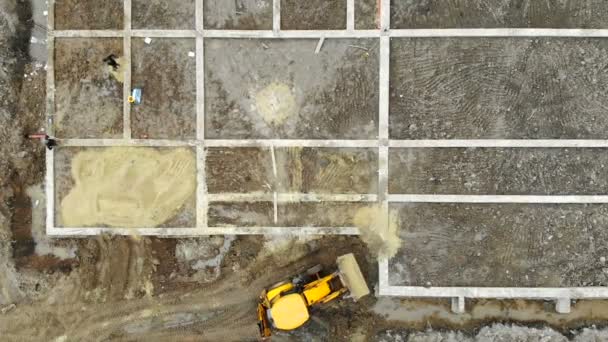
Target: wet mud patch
[(499, 88), (241, 214), (330, 95), (498, 13), (498, 171), (163, 14), (88, 14), (88, 99), (505, 245), (90, 187), (166, 71), (238, 15)]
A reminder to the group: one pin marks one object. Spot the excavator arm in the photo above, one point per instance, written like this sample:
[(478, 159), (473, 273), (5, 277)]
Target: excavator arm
[(263, 323)]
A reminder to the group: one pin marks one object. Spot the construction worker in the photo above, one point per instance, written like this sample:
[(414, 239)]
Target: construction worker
[(111, 61), (49, 142)]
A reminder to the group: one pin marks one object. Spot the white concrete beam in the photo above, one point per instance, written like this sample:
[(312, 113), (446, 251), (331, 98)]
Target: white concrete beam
[(49, 184), (545, 293), (127, 142), (184, 232), (385, 15), (126, 86), (289, 143), (88, 33), (506, 143), (458, 305), (202, 201), (315, 34), (50, 85), (290, 197), (563, 305), (489, 143), (350, 15), (276, 16), (556, 199), (164, 33), (295, 34), (500, 32)]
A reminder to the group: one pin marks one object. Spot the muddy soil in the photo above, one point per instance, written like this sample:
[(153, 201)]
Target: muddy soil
[(301, 170), (238, 15), (498, 88), (498, 13), (506, 245), (88, 100), (221, 310), (366, 14), (327, 170), (165, 14), (166, 72), (88, 15), (261, 214), (313, 15), (330, 95), (333, 214), (238, 170), (497, 171)]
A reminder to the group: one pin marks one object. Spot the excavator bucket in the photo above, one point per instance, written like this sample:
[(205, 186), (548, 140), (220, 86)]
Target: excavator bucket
[(351, 276)]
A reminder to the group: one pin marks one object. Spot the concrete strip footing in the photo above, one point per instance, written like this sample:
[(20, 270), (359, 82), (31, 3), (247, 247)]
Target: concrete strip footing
[(49, 184), (276, 16), (404, 33), (350, 15), (290, 197), (202, 202), (562, 305), (126, 105), (559, 199), (192, 231), (335, 142), (458, 305), (504, 143)]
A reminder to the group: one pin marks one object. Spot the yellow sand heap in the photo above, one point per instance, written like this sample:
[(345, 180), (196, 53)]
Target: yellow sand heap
[(275, 103), (379, 231), (128, 186)]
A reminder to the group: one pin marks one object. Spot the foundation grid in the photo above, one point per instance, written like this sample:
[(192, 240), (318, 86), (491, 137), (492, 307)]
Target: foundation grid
[(562, 296)]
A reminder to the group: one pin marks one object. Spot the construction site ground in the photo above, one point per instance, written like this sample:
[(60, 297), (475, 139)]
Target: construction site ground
[(131, 288)]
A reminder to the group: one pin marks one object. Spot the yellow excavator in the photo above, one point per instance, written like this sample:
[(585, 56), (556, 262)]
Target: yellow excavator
[(286, 305)]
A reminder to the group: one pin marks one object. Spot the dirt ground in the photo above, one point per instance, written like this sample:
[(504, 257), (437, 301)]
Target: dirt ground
[(165, 14), (238, 15), (510, 245), (313, 15), (499, 88), (366, 14), (330, 95), (498, 13), (538, 171), (166, 73), (88, 100), (88, 14)]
